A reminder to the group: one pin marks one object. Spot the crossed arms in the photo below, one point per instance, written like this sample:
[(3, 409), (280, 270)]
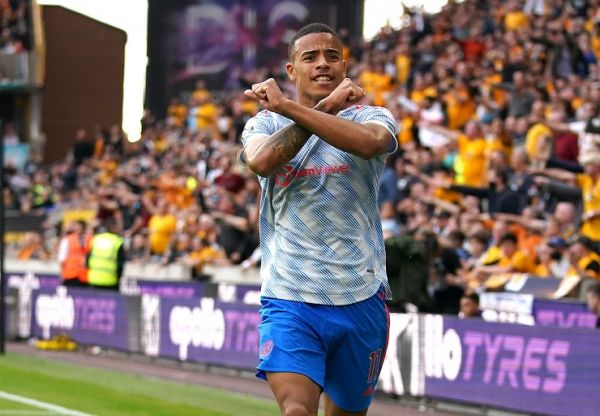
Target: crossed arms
[(264, 155)]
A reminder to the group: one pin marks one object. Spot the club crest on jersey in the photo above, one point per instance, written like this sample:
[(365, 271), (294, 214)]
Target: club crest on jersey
[(266, 348)]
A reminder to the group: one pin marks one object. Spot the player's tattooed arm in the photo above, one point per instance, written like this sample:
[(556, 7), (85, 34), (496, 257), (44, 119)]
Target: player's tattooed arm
[(266, 155), (288, 141), (277, 149)]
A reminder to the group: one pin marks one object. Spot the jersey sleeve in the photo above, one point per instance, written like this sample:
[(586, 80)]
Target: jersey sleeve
[(383, 117), (261, 125)]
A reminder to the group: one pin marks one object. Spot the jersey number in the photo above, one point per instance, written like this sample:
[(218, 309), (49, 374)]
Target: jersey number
[(374, 365)]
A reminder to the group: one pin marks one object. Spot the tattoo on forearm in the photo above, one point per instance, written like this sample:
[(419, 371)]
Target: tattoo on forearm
[(288, 141)]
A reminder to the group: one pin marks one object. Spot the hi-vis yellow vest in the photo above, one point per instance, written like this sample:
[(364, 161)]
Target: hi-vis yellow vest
[(102, 264)]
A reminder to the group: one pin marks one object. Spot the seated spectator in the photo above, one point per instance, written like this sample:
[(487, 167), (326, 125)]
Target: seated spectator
[(512, 260), (552, 259), (493, 254)]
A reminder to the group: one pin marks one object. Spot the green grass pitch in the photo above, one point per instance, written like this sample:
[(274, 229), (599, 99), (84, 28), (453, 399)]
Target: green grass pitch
[(108, 393)]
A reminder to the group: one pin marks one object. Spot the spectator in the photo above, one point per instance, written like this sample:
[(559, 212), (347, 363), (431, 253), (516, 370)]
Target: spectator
[(469, 306), (389, 222), (483, 93), (590, 191), (470, 162), (234, 229), (203, 253), (499, 196), (388, 185), (82, 148), (32, 248), (161, 227), (138, 251), (10, 136), (593, 300), (42, 192), (585, 262), (179, 248), (512, 259), (227, 179)]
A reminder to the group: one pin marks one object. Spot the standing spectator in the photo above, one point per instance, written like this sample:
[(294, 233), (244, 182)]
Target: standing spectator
[(515, 19), (500, 197), (43, 195), (83, 148), (469, 306), (234, 229), (116, 141), (470, 162), (72, 254), (161, 227), (133, 213), (228, 179), (589, 185), (388, 184), (138, 249), (10, 135)]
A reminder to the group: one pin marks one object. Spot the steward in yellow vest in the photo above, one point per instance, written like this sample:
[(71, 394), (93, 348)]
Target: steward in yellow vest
[(105, 261)]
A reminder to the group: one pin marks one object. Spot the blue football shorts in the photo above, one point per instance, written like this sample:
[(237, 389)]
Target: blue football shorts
[(340, 348)]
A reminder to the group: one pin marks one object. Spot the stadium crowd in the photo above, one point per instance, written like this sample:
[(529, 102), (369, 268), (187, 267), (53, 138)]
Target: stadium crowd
[(498, 169), (13, 26)]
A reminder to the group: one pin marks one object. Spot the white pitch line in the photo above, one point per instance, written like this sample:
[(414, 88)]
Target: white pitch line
[(42, 405)]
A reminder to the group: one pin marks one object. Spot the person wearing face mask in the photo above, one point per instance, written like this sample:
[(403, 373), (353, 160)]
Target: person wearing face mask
[(553, 262)]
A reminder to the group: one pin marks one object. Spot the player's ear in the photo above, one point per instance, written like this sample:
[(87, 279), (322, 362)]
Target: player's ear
[(291, 71)]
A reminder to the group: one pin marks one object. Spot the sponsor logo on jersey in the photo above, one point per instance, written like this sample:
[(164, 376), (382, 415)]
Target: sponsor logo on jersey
[(285, 176)]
